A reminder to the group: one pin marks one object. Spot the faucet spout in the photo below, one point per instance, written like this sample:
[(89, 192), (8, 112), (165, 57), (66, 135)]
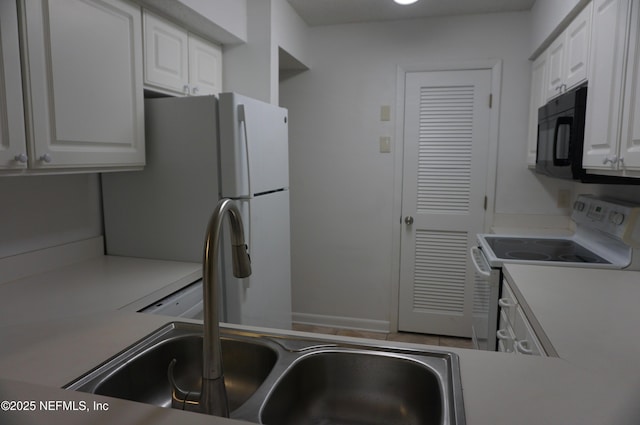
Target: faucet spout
[(212, 398)]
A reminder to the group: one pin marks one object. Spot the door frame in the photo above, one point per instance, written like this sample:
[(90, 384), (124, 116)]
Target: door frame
[(495, 66)]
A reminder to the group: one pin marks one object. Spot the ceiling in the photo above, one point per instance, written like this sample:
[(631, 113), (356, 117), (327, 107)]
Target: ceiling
[(331, 12)]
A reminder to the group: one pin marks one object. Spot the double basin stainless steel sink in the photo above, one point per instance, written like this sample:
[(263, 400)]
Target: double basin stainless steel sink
[(278, 380)]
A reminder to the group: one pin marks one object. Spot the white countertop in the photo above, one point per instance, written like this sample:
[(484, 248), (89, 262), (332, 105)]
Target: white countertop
[(103, 283), (590, 316), (44, 350), (498, 388)]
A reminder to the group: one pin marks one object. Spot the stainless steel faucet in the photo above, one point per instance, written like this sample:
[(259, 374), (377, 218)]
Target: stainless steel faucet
[(212, 398)]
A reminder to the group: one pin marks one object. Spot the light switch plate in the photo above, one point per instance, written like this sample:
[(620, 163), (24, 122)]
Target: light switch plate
[(385, 144), (564, 198), (385, 113)]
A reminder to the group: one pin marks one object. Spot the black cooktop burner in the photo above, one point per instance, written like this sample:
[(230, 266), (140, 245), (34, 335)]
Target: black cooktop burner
[(528, 256), (534, 249)]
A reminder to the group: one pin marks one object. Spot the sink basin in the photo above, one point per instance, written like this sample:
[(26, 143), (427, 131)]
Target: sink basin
[(141, 373), (278, 380), (355, 387)]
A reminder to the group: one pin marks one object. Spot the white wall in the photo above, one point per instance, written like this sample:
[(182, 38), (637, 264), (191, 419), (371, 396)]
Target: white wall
[(247, 67), (252, 68), (290, 32), (44, 211), (222, 21), (342, 188), (228, 14)]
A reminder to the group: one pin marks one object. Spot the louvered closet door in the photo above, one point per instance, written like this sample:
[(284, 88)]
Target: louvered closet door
[(446, 143)]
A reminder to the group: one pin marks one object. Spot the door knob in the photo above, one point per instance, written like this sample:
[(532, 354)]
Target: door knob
[(408, 220)]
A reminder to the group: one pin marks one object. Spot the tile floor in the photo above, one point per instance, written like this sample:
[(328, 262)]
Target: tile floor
[(444, 341)]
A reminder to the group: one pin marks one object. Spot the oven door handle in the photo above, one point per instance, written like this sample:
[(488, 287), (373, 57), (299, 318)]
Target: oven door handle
[(477, 256)]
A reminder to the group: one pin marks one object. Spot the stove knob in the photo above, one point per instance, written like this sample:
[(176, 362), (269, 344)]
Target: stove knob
[(616, 218), (578, 206)]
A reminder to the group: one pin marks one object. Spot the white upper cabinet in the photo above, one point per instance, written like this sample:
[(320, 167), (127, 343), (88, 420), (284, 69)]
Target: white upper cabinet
[(562, 66), (568, 55), (629, 150), (13, 144), (178, 62), (536, 100), (85, 92), (555, 67), (609, 47), (578, 36), (166, 54), (205, 67)]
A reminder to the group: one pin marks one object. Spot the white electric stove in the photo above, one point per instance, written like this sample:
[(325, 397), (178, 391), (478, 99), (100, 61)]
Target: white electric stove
[(607, 234)]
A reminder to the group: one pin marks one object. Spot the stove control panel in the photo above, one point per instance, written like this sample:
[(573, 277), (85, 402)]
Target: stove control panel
[(613, 217), (597, 212), (578, 206), (616, 218)]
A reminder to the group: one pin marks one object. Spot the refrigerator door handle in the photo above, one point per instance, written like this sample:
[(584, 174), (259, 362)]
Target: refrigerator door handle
[(245, 204), (249, 221), (243, 121)]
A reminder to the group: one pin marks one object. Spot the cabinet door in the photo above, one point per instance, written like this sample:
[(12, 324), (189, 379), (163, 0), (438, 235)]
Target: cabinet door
[(606, 71), (205, 67), (630, 143), (578, 35), (166, 55), (555, 67), (537, 99), (85, 76), (12, 135), (526, 341)]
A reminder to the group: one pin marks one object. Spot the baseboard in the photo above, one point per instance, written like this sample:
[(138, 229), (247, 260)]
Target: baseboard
[(43, 260), (341, 322)]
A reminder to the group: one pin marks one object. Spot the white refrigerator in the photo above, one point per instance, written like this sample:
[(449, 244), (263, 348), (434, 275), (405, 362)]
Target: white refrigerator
[(198, 150)]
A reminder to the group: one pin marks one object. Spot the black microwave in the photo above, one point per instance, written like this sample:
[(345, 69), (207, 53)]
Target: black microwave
[(561, 135), (561, 124)]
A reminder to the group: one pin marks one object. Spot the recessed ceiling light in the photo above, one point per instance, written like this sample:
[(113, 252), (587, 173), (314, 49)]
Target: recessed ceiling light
[(404, 2)]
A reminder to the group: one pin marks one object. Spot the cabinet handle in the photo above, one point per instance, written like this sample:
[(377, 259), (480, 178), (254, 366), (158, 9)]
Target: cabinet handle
[(613, 160), (521, 347), (408, 220), (502, 334), (621, 162), (45, 158), (185, 89), (194, 90), (21, 158), (504, 303)]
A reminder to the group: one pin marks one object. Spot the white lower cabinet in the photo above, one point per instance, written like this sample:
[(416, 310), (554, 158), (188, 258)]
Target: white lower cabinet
[(515, 334), (525, 340), (505, 335), (84, 92)]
